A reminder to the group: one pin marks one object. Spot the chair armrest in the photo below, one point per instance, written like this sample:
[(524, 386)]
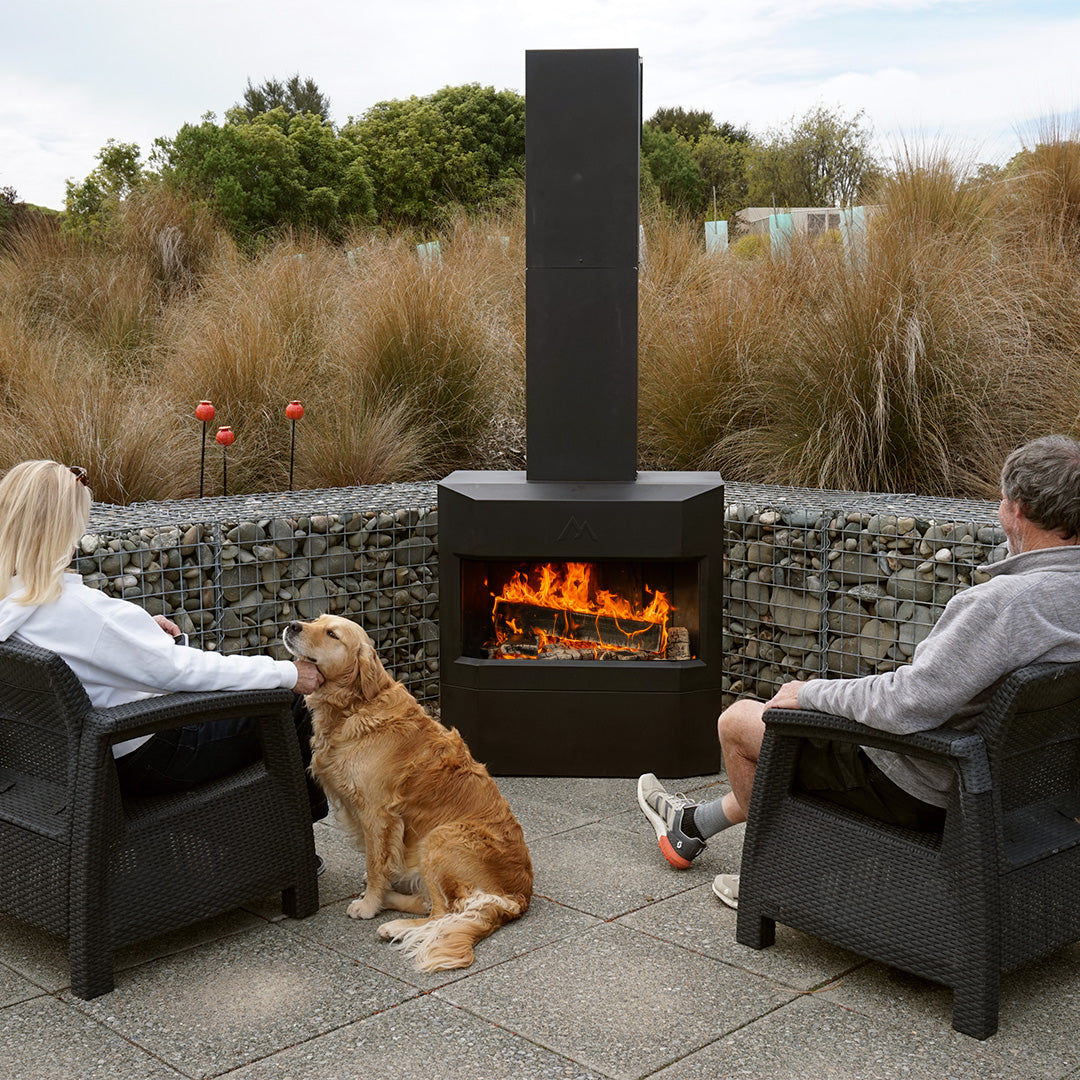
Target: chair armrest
[(963, 750), (165, 711)]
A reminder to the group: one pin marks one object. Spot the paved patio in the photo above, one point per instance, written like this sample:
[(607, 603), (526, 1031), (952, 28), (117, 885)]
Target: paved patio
[(622, 968)]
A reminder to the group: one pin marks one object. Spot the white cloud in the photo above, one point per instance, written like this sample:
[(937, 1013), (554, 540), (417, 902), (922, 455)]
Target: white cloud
[(972, 71)]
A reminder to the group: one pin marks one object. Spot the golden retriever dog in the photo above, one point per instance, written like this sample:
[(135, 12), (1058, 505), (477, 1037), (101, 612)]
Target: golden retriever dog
[(440, 839)]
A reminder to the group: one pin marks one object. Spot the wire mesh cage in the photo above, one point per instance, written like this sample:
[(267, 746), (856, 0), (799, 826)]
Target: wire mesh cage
[(233, 571), (837, 584)]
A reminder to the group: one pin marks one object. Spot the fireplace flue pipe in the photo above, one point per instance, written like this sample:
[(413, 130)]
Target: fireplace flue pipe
[(582, 140)]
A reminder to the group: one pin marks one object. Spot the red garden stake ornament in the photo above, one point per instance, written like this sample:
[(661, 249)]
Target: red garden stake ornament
[(225, 438), (294, 410), (204, 412)]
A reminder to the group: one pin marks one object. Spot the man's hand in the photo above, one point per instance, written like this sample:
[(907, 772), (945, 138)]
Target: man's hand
[(787, 697), (308, 678)]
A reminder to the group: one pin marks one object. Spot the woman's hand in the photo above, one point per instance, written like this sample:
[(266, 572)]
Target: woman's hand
[(168, 626), (308, 678)]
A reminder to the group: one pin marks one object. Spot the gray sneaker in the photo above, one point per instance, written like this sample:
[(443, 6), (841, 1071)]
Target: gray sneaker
[(665, 811)]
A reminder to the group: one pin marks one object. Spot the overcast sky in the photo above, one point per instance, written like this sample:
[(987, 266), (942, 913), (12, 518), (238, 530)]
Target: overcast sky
[(975, 75)]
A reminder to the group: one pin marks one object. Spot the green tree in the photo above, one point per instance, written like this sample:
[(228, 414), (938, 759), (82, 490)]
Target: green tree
[(722, 161), (463, 145), (822, 159), (690, 124), (8, 198), (277, 169), (669, 157), (294, 95), (118, 172)]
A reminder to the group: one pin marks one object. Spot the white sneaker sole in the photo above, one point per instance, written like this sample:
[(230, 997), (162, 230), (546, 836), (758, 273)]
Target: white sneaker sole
[(658, 823), (725, 888)]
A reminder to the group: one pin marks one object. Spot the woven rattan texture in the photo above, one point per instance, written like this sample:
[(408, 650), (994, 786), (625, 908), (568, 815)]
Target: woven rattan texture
[(104, 871), (995, 889)]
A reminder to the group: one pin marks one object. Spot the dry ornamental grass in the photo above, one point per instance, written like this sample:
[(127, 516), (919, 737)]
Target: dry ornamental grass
[(915, 367)]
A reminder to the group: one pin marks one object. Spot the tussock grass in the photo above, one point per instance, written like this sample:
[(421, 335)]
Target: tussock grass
[(952, 338)]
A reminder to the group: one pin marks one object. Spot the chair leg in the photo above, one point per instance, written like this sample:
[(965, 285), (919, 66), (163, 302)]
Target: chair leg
[(754, 929), (302, 899), (91, 967), (975, 1007)]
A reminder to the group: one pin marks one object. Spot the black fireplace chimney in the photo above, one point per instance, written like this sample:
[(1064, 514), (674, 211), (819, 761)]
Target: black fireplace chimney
[(582, 138), (573, 711)]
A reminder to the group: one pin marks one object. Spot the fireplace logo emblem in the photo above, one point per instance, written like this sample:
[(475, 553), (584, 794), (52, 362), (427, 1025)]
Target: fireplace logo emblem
[(577, 530)]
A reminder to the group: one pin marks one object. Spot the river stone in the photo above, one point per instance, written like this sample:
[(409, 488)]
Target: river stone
[(855, 566), (246, 532), (846, 616), (237, 579), (908, 585), (282, 532), (413, 551), (316, 545), (915, 629), (795, 611), (843, 657), (876, 638), (336, 563), (801, 519), (312, 599), (795, 644)]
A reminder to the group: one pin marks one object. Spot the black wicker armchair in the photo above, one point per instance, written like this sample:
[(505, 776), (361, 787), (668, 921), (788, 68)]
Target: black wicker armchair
[(105, 870), (999, 886)]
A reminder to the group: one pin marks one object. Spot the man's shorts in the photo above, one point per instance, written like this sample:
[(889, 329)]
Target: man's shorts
[(841, 773)]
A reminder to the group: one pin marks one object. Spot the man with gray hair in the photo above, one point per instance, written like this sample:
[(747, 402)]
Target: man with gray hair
[(1029, 611)]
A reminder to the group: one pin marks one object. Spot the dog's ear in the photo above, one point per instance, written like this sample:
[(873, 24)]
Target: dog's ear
[(372, 677)]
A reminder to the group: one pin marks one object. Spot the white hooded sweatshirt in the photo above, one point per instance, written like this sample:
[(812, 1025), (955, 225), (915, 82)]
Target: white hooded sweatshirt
[(120, 654)]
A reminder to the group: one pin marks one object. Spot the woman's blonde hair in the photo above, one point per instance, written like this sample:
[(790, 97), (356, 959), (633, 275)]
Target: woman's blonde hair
[(44, 510)]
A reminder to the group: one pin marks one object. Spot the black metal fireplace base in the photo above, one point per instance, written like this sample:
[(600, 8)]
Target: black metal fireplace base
[(583, 733), (543, 717)]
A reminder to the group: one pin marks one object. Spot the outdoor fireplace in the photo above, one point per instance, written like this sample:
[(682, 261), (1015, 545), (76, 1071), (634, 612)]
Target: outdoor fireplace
[(581, 600)]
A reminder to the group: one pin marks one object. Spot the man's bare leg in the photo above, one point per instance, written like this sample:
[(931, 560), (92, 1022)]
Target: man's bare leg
[(741, 730)]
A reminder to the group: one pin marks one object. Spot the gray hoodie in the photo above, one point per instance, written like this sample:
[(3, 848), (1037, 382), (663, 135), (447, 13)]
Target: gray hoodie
[(1029, 611)]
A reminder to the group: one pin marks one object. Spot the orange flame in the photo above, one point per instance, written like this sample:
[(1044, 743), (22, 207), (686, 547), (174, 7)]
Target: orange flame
[(569, 587)]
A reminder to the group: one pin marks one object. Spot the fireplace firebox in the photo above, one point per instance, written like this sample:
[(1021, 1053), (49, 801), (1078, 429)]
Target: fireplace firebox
[(580, 600)]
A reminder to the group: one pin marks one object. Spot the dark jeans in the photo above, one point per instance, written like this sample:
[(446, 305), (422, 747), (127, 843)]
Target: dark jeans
[(841, 773), (184, 757)]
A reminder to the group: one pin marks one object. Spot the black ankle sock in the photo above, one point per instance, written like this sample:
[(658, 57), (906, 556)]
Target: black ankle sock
[(688, 825)]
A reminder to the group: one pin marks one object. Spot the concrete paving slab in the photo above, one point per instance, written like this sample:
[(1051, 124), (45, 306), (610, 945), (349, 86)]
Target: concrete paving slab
[(697, 920), (422, 1039), (43, 958), (1039, 1009), (232, 1001), (547, 806), (609, 868), (13, 987), (815, 1038), (620, 1002), (542, 924), (44, 1039)]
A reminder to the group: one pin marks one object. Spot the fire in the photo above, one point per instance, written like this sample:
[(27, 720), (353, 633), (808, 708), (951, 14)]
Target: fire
[(593, 617)]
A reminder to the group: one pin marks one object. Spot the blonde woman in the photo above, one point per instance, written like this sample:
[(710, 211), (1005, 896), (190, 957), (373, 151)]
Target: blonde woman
[(117, 650)]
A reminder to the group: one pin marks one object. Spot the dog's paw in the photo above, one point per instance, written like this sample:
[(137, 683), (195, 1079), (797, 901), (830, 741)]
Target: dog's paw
[(367, 907), (393, 929)]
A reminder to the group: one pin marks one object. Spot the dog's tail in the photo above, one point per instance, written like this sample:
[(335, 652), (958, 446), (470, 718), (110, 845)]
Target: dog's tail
[(447, 942)]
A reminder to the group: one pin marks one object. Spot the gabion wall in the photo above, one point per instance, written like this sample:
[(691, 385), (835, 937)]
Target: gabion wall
[(817, 583), (232, 572), (841, 584)]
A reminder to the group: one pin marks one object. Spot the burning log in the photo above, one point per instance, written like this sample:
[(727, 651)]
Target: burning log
[(524, 623)]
